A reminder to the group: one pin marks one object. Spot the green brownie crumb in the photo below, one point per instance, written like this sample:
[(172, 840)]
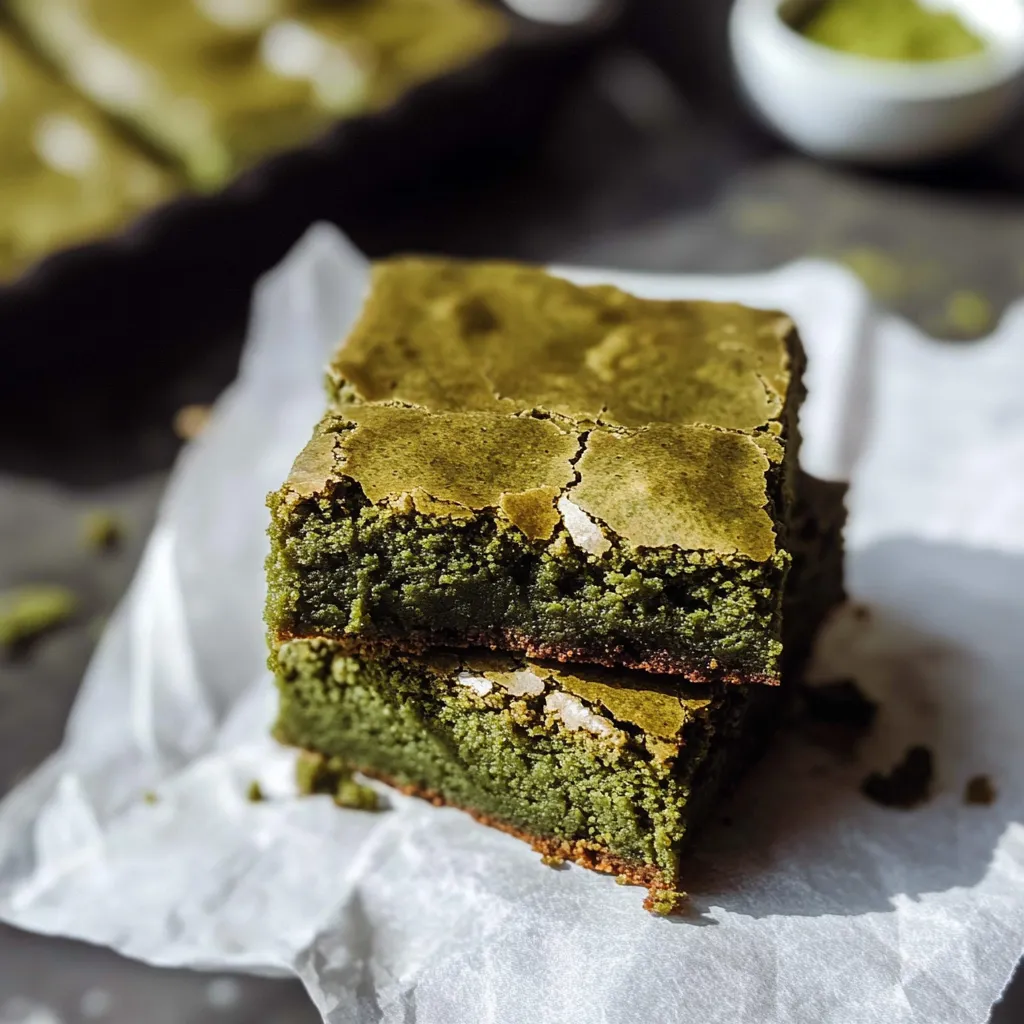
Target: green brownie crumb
[(551, 861), (315, 773), (356, 796), (665, 902), (102, 530), (311, 773), (28, 611), (254, 794)]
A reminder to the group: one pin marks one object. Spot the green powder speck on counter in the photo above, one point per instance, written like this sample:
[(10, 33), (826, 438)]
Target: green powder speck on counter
[(884, 276), (759, 217), (101, 530), (28, 611), (898, 30), (969, 312), (254, 794)]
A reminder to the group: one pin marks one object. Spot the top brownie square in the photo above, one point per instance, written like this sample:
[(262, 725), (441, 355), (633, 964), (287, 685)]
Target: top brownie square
[(515, 462)]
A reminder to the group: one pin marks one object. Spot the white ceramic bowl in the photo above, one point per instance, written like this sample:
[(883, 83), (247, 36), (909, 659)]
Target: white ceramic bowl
[(840, 106)]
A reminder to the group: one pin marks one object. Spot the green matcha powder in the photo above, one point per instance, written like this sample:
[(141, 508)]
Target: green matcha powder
[(900, 30)]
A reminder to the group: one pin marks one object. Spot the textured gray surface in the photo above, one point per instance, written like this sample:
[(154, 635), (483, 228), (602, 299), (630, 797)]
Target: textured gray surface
[(635, 178), (42, 980)]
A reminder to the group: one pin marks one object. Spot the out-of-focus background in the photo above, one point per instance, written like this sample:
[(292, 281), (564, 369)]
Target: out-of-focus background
[(157, 155)]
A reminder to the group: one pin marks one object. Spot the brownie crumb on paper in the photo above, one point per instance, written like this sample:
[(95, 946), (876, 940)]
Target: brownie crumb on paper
[(907, 785), (980, 791)]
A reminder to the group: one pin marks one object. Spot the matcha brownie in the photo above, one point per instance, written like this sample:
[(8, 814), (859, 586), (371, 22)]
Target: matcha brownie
[(217, 84), (610, 768), (65, 174), (572, 473), (613, 770)]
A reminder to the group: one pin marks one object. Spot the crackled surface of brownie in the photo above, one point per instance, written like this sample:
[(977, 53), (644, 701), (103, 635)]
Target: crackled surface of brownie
[(611, 769), (218, 84), (65, 175), (515, 462)]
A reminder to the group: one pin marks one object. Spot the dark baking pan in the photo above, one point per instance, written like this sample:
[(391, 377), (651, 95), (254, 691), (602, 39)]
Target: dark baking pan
[(189, 266)]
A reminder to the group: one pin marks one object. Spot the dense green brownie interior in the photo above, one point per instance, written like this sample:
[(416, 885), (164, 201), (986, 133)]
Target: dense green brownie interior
[(65, 175), (217, 84), (613, 769), (519, 463), (609, 768)]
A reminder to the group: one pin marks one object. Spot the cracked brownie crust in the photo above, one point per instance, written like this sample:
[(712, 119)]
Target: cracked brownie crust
[(568, 472)]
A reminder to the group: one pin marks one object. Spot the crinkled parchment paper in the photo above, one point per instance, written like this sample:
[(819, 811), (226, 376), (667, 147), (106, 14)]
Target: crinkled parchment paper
[(814, 905)]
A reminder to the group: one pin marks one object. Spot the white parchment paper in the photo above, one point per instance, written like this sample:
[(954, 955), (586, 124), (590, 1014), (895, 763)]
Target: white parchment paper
[(814, 905)]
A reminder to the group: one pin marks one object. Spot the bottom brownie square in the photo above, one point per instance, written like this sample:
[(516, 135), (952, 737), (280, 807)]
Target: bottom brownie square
[(609, 769)]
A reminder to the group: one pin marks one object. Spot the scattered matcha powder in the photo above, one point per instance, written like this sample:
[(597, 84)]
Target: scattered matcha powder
[(980, 791), (898, 30), (150, 797), (28, 611), (101, 530), (254, 794), (969, 312)]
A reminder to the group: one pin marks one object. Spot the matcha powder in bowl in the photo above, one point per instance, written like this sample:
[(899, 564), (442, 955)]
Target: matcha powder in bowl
[(881, 82), (901, 30)]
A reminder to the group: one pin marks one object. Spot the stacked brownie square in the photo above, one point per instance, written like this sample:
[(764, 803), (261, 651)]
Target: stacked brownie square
[(549, 556)]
